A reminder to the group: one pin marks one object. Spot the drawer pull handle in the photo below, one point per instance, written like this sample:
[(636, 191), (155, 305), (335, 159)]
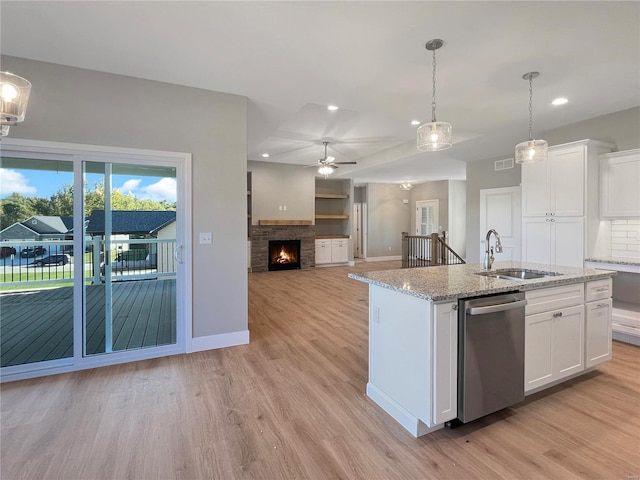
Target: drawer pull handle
[(602, 289), (557, 314), (602, 305)]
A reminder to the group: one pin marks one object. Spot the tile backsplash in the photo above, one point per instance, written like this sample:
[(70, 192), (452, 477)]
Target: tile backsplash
[(625, 238)]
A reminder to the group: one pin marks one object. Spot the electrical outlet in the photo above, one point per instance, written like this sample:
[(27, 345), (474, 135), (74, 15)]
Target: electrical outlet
[(376, 314), (389, 247), (206, 238), (280, 207)]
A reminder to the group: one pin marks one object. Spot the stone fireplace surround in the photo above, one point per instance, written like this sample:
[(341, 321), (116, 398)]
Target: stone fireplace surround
[(261, 234)]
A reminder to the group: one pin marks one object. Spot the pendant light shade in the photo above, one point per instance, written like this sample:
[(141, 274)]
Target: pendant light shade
[(14, 96), (531, 151), (434, 136)]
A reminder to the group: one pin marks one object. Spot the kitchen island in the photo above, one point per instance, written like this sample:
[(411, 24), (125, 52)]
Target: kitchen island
[(413, 332)]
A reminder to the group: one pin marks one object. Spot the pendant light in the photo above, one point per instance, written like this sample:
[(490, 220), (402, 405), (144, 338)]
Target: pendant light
[(14, 96), (434, 136), (532, 150)]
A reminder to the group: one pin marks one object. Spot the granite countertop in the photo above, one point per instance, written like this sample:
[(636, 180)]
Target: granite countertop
[(616, 260), (451, 282)]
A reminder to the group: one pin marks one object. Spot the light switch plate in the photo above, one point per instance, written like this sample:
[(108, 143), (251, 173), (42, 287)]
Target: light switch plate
[(206, 238)]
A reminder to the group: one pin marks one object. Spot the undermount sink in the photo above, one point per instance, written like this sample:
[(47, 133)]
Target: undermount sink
[(517, 274)]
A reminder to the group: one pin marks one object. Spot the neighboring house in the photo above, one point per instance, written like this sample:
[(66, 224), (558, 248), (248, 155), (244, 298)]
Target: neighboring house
[(142, 224), (39, 227), (136, 224)]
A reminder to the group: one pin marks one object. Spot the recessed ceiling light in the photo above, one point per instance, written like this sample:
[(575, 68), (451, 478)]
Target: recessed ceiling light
[(415, 122), (265, 155), (559, 101), (332, 108)]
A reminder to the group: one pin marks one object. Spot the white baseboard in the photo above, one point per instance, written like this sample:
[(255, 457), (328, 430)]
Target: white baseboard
[(211, 342), (383, 259), (412, 424)]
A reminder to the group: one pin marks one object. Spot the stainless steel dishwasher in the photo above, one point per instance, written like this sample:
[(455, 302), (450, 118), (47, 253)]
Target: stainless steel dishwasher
[(490, 354)]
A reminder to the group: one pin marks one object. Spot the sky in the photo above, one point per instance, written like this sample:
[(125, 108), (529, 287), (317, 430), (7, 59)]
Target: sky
[(37, 183)]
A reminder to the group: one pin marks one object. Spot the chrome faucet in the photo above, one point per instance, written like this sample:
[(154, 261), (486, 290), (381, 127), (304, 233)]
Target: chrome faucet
[(488, 254)]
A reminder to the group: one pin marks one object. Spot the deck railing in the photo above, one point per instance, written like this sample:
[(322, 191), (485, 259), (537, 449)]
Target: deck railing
[(52, 261), (427, 251)]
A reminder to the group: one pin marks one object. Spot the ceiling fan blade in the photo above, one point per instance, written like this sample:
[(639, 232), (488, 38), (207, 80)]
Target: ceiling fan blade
[(344, 163)]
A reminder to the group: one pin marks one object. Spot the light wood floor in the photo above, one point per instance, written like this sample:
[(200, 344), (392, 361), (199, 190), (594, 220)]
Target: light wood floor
[(292, 404)]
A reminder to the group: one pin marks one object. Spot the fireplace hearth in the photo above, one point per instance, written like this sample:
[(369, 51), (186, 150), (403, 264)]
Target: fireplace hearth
[(284, 255)]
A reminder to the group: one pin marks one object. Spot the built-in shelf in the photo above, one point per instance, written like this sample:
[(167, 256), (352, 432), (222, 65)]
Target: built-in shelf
[(332, 217), (285, 222), (331, 195)]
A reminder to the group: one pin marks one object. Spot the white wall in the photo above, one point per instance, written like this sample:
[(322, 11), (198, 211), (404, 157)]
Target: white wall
[(82, 106), (275, 185)]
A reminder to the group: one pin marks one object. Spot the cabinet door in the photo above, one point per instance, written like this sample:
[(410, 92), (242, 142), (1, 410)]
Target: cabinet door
[(598, 332), (538, 362), (536, 240), (619, 180), (568, 341), (535, 189), (567, 241), (323, 251), (339, 251), (445, 362), (567, 179)]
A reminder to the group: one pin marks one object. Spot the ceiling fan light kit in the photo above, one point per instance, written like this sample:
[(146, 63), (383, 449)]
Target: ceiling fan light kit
[(531, 151), (434, 136)]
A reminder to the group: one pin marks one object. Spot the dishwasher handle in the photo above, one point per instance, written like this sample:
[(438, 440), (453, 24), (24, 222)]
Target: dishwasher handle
[(500, 307)]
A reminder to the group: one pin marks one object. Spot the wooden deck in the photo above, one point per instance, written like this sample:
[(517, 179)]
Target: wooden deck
[(37, 325)]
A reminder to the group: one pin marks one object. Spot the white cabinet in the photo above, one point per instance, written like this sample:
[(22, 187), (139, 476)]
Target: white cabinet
[(323, 251), (598, 332), (619, 180), (562, 190), (555, 187), (445, 362), (554, 334), (553, 240), (332, 250), (413, 359), (339, 250), (598, 313)]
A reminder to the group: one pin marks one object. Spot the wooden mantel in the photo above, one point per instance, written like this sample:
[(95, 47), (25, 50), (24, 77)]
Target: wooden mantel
[(285, 222)]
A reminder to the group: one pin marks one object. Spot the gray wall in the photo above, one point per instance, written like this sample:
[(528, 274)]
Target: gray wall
[(429, 191), (481, 175), (621, 129), (81, 106), (387, 218), (275, 185), (457, 226)]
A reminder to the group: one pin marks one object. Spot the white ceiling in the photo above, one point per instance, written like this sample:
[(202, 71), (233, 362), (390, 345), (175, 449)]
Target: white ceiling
[(291, 59)]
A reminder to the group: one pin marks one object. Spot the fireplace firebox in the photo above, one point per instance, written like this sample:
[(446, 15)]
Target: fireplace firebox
[(284, 254)]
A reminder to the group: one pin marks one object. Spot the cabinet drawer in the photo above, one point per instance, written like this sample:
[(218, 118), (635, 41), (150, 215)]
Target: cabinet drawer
[(547, 299), (342, 242), (323, 243), (598, 290)]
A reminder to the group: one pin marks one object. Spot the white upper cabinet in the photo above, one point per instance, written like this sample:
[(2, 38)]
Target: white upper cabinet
[(619, 184), (555, 187)]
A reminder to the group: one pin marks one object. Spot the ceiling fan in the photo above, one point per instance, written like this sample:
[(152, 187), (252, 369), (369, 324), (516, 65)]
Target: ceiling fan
[(327, 164)]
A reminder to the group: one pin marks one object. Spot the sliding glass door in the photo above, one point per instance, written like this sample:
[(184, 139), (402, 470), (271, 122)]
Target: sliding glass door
[(92, 267), (130, 232)]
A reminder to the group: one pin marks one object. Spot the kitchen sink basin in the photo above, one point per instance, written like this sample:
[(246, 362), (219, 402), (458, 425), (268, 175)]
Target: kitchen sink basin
[(517, 274)]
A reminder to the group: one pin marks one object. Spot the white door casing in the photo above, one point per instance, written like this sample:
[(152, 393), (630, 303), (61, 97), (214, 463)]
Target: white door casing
[(427, 216)]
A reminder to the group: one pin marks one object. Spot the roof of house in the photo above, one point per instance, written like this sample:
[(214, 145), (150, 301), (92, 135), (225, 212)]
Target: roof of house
[(130, 221), (48, 224)]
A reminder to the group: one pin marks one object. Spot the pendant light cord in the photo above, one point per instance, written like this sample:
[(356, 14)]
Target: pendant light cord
[(433, 102), (530, 107)]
